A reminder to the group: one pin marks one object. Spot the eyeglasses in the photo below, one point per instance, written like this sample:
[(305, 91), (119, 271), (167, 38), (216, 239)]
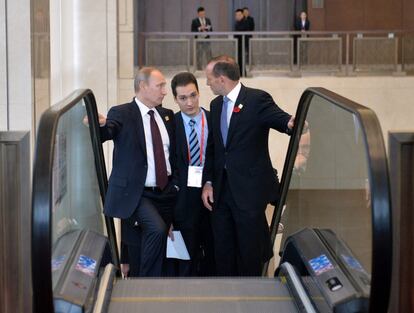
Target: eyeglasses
[(192, 96)]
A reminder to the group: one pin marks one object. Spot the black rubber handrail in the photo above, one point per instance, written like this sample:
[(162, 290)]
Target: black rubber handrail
[(379, 187), (42, 194)]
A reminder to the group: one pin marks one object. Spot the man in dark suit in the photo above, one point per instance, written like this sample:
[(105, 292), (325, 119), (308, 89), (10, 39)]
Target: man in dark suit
[(143, 184), (202, 24), (190, 215), (302, 23), (241, 25), (250, 27), (249, 19), (239, 170)]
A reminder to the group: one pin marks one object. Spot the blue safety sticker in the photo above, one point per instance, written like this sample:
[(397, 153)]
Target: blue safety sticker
[(86, 265), (321, 264)]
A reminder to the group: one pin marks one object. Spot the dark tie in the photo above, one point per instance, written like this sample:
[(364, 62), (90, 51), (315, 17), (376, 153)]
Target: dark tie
[(159, 156), (194, 146), (223, 120)]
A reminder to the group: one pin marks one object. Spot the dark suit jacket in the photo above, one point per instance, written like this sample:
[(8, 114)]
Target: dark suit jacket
[(250, 23), (195, 24), (299, 26), (184, 214), (246, 156), (129, 165)]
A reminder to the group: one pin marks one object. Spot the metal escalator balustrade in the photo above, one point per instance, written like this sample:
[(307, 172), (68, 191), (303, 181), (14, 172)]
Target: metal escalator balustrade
[(336, 178), (69, 184)]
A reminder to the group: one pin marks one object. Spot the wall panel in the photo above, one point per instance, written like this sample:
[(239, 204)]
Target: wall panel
[(362, 15)]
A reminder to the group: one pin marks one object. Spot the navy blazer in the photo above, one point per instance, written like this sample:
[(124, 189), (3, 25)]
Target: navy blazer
[(195, 24), (182, 212), (250, 174), (129, 164), (300, 26)]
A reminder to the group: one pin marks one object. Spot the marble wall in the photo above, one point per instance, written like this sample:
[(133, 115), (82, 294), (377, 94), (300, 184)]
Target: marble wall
[(4, 125), (16, 96), (84, 49)]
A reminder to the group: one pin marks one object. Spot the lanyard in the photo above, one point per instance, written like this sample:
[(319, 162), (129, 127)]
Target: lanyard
[(202, 140)]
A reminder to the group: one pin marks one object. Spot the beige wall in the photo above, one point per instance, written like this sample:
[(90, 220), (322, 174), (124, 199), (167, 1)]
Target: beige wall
[(391, 98), (16, 96)]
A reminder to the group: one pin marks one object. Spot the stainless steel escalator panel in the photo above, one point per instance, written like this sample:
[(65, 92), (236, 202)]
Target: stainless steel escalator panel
[(201, 295)]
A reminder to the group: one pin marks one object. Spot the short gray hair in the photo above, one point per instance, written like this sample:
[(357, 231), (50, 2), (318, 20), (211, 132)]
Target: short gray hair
[(142, 75)]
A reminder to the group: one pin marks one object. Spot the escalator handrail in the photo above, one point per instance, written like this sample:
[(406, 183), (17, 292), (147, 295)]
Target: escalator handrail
[(379, 187), (42, 193)]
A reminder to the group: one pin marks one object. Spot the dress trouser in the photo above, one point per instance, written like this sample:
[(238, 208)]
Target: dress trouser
[(197, 234), (147, 232), (238, 236)]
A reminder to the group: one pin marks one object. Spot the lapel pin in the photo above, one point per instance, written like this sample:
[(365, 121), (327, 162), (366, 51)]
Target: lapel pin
[(167, 118), (237, 109)]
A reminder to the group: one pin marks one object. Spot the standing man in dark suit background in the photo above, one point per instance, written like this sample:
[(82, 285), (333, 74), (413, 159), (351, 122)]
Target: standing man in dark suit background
[(250, 28), (142, 187), (302, 23), (241, 25), (238, 174), (249, 19), (190, 215), (202, 24)]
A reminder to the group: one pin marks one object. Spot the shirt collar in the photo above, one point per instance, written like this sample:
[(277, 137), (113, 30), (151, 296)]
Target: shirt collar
[(143, 108), (187, 118), (232, 95)]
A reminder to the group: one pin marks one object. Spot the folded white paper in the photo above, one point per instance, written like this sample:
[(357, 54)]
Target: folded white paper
[(176, 249)]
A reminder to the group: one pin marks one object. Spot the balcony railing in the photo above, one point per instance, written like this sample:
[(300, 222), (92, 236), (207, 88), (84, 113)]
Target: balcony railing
[(293, 53)]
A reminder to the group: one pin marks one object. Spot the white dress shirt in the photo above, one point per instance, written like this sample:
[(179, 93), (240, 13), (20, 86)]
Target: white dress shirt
[(232, 95), (151, 180)]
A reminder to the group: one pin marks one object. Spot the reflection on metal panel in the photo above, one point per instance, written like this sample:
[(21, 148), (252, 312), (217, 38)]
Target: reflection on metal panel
[(172, 54), (375, 54), (316, 54), (271, 54)]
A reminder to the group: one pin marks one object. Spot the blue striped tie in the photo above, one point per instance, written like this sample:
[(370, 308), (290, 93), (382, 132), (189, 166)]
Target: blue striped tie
[(194, 145)]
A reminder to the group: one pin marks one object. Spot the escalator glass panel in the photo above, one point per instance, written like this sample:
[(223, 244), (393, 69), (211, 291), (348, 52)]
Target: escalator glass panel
[(329, 186)]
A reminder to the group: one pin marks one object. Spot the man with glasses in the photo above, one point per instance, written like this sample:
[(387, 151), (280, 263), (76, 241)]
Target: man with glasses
[(190, 216)]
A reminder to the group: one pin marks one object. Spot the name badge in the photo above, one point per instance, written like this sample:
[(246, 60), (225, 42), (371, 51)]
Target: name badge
[(195, 176)]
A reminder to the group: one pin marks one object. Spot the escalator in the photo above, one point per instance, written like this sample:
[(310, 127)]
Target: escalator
[(331, 227)]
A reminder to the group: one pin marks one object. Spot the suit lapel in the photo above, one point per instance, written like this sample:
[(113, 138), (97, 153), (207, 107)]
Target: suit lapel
[(139, 126), (235, 116), (167, 121)]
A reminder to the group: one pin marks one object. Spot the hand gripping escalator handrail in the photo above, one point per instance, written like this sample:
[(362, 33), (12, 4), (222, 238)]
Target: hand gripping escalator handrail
[(42, 193), (379, 186)]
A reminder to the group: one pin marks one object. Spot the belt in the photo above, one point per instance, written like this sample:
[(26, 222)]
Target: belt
[(156, 189)]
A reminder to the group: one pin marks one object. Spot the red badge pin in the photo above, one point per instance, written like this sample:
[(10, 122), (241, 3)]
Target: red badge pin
[(237, 109)]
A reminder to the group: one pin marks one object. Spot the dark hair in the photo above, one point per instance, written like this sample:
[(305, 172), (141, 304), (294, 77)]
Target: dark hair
[(182, 79), (200, 9), (245, 8), (226, 66), (239, 10)]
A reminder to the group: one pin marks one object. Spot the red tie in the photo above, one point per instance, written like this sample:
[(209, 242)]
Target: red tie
[(159, 156)]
